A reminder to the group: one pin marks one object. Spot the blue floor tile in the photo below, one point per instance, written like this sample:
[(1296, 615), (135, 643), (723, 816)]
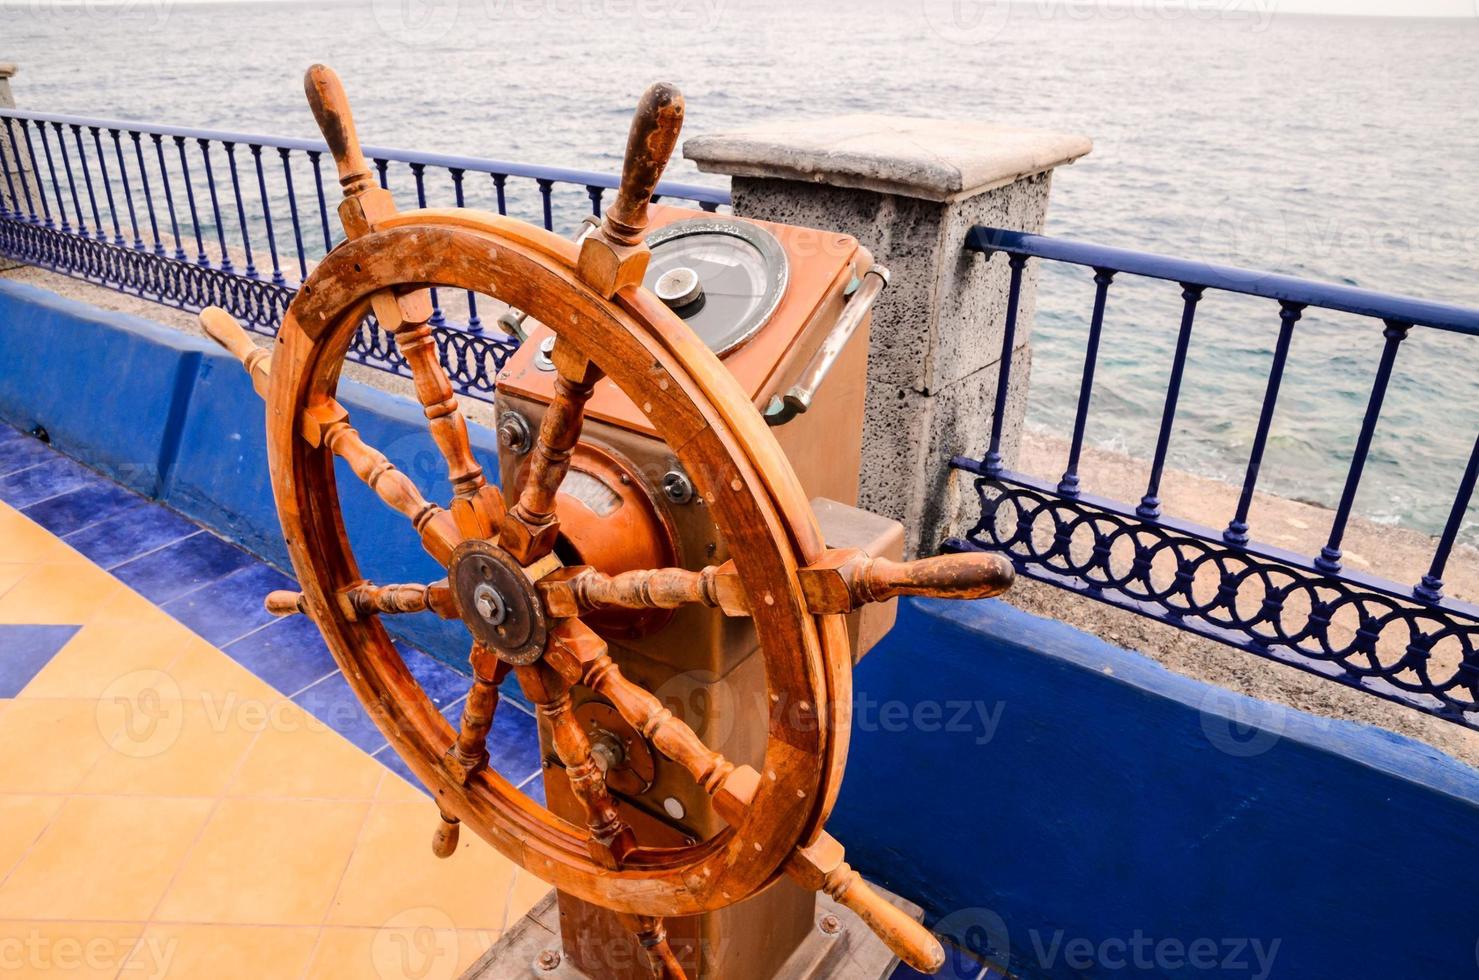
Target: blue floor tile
[(132, 531), (24, 650), (231, 607), (182, 567), (441, 683), (534, 789), (289, 654), (97, 500), (332, 702), (513, 744), (48, 478), (390, 760), (19, 450)]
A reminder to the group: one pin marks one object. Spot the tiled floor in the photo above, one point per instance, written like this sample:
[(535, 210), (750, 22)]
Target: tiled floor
[(187, 787)]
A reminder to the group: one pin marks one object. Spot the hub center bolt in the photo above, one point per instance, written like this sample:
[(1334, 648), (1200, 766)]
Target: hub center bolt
[(489, 604)]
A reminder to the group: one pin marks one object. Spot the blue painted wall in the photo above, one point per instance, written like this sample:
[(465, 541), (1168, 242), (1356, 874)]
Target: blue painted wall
[(1044, 794), (173, 417)]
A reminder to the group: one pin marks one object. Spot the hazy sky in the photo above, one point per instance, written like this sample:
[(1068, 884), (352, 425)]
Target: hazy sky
[(1380, 8), (1397, 8)]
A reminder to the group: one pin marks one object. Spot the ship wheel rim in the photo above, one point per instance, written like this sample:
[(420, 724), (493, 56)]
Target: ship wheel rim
[(534, 270)]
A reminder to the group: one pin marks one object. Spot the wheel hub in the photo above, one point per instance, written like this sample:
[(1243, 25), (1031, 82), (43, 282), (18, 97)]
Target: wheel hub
[(498, 602)]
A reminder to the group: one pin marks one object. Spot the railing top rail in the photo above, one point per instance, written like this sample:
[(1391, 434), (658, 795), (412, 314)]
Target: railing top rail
[(1285, 289), (589, 178)]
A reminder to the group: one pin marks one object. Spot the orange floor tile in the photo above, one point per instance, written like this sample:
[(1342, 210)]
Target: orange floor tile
[(165, 813)]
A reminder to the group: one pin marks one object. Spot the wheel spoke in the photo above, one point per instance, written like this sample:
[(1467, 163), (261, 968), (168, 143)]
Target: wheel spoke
[(845, 578), (581, 589), (365, 599), (652, 936), (579, 655), (470, 752), (477, 507), (329, 426), (611, 838), (818, 865), (530, 528)]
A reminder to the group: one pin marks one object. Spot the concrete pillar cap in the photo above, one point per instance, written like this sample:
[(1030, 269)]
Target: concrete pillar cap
[(8, 68), (932, 159)]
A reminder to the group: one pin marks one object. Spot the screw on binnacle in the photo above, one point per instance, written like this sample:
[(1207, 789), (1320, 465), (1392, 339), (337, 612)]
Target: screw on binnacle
[(677, 487), (830, 924), (513, 432), (548, 960)]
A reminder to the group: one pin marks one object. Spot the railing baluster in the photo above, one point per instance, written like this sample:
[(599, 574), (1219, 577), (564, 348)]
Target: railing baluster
[(210, 183), (1237, 528), (992, 460), (474, 322), (128, 194), (546, 186), (56, 187), (36, 169), (277, 276), (20, 169), (418, 172), (202, 258), (169, 196), (1068, 486), (323, 204), (595, 193), (148, 194), (382, 171), (61, 144), (1430, 589), (241, 218), (1329, 558), (287, 173), (499, 180), (1150, 504), (97, 142), (14, 206), (92, 198)]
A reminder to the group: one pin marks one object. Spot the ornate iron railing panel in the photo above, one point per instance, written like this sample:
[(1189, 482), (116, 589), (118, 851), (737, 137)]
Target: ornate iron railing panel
[(191, 218), (1409, 644)]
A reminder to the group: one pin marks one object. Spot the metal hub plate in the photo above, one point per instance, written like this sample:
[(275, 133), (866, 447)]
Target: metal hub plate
[(498, 602)]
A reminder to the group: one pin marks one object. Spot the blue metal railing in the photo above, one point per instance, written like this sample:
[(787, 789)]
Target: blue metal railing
[(182, 217), (1409, 644)]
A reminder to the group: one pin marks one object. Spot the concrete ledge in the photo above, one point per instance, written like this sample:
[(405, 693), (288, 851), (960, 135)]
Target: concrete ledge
[(109, 388), (933, 159)]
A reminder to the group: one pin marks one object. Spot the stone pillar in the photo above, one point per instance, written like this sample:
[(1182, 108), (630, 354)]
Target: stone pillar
[(910, 190), (8, 160)]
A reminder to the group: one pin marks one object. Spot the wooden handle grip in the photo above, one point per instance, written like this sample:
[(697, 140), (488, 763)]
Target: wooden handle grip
[(963, 576), (283, 603), (653, 136), (910, 941), (222, 327), (331, 109)]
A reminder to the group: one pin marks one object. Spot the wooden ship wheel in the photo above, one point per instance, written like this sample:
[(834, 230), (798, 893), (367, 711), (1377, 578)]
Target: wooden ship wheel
[(522, 604)]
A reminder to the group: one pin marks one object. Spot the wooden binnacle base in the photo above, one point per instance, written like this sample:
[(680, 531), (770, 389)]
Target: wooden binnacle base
[(836, 946)]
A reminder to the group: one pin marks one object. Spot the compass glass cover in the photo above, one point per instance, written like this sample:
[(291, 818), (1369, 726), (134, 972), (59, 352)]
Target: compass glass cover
[(741, 271)]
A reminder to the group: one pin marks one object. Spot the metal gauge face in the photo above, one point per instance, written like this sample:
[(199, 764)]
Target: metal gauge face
[(723, 276)]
